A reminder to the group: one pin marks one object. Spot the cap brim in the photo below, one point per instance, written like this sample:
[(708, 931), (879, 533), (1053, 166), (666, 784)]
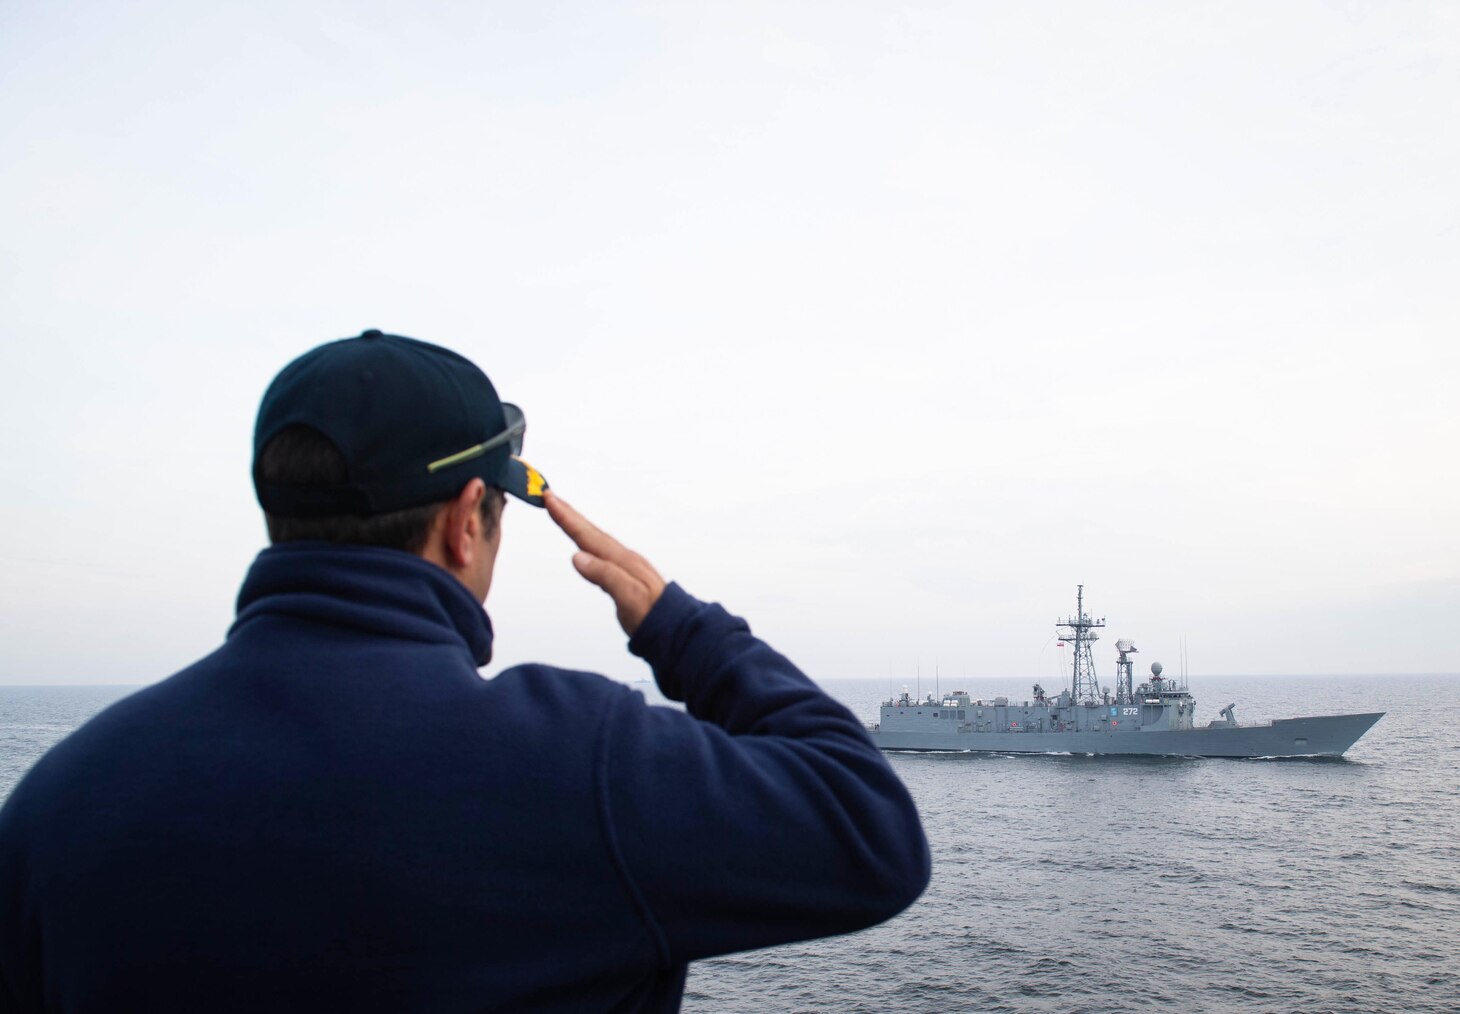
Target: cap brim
[(524, 482)]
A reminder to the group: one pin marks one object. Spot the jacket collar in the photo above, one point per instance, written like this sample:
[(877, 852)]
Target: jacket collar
[(384, 591)]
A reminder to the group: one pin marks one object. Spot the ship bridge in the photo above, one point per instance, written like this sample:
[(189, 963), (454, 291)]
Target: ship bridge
[(1162, 689)]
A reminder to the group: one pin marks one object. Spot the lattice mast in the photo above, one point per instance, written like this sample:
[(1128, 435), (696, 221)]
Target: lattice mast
[(1082, 632)]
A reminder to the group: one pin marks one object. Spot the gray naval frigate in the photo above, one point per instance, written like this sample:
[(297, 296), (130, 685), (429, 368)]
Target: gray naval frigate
[(1157, 718)]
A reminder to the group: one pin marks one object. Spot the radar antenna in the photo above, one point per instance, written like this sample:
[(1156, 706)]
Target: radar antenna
[(1084, 687), (1124, 677)]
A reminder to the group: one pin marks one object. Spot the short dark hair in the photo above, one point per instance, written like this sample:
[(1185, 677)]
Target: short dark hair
[(303, 456)]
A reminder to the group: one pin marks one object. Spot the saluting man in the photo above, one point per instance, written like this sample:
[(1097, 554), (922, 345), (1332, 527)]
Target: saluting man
[(334, 811)]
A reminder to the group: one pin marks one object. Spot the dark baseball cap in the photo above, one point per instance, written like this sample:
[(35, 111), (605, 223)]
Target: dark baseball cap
[(415, 422)]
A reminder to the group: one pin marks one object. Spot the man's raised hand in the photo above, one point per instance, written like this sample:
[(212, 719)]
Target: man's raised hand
[(629, 579)]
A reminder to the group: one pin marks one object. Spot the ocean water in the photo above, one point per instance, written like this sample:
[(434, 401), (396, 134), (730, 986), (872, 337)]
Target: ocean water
[(1074, 883)]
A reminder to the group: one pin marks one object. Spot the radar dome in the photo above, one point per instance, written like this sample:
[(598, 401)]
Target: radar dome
[(1155, 668)]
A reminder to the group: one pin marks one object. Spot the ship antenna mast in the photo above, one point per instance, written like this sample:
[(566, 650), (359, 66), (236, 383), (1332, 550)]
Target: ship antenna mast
[(1084, 686)]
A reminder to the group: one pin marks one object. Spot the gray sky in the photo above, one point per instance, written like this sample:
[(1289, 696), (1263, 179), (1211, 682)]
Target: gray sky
[(884, 324)]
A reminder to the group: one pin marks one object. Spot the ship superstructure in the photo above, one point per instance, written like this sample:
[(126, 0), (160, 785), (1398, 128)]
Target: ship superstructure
[(1156, 718)]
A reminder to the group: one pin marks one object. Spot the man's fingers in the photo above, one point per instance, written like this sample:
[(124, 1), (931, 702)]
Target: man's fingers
[(631, 596), (592, 539), (585, 533), (628, 578), (598, 571)]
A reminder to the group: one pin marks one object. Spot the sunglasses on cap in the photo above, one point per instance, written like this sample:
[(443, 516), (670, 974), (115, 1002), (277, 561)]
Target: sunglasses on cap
[(512, 436)]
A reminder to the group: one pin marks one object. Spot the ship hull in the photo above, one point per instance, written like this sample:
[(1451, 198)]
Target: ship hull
[(1316, 736)]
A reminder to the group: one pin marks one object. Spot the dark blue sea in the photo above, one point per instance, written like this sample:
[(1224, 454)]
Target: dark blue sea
[(1121, 884)]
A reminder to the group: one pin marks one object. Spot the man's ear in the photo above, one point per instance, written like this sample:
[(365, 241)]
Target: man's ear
[(460, 523)]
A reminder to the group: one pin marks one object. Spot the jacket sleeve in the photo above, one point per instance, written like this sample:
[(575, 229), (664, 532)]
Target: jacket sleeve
[(762, 815)]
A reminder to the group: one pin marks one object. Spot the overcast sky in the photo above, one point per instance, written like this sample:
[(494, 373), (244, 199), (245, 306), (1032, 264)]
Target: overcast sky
[(886, 324)]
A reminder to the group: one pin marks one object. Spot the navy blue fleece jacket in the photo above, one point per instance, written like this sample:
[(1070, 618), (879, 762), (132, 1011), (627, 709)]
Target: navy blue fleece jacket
[(333, 811)]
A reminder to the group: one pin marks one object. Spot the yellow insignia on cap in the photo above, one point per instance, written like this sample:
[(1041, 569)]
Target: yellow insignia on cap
[(535, 482)]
